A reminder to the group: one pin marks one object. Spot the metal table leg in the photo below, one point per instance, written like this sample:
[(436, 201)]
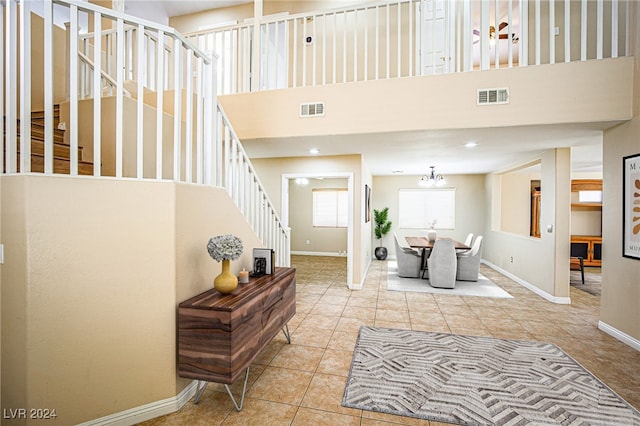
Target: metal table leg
[(238, 407), (285, 330)]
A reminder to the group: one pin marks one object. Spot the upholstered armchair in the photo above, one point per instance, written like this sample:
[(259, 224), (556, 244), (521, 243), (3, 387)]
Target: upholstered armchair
[(409, 260), (442, 264), (469, 262)]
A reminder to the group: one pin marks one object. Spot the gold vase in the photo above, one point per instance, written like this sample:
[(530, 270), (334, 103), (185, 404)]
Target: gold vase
[(226, 282)]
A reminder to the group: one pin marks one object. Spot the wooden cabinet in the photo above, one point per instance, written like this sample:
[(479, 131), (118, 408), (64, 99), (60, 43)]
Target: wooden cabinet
[(220, 335), (588, 247), (535, 212)]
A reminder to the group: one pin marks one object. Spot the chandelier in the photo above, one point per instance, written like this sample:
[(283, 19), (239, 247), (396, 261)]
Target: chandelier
[(432, 179)]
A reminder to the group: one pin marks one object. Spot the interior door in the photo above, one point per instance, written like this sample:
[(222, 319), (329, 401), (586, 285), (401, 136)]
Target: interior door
[(273, 55), (435, 34)]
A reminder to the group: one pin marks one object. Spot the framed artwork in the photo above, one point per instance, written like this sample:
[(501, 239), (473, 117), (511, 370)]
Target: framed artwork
[(367, 203), (631, 206)]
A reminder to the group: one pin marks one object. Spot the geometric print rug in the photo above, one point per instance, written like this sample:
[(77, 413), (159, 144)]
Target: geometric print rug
[(471, 380)]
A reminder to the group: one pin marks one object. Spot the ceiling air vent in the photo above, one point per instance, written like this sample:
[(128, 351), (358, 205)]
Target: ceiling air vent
[(312, 109), (493, 96)]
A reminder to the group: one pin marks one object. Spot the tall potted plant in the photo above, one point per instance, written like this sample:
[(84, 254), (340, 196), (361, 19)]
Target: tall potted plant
[(383, 226)]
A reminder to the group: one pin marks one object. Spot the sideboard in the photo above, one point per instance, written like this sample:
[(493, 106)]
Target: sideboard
[(220, 335)]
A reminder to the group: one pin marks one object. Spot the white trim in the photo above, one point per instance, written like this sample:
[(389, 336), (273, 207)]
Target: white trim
[(619, 335), (147, 411), (319, 253), (528, 285)]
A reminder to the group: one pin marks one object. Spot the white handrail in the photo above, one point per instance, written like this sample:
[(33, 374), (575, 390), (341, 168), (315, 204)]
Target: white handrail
[(241, 181), (106, 77), (411, 37)]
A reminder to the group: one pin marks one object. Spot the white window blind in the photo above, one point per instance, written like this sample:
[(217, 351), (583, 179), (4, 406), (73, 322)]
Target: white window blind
[(418, 208), (330, 208)]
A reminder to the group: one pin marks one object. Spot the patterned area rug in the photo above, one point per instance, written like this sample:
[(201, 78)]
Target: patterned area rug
[(477, 381)]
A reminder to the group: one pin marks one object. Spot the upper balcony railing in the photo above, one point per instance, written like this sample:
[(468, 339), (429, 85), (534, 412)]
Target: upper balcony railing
[(412, 37)]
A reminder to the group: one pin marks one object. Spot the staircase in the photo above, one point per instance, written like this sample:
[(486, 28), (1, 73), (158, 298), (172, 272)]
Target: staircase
[(61, 150)]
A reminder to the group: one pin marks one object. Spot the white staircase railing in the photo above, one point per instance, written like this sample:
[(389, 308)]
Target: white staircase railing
[(238, 176), (166, 123), (405, 38)]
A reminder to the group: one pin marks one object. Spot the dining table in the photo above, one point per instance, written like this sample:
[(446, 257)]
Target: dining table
[(425, 245)]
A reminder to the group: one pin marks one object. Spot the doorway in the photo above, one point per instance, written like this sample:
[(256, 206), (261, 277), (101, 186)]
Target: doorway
[(435, 32), (287, 208)]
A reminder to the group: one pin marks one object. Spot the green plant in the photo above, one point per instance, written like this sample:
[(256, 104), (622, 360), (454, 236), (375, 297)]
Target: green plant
[(383, 226)]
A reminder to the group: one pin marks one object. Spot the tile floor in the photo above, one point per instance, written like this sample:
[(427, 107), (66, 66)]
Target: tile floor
[(302, 383)]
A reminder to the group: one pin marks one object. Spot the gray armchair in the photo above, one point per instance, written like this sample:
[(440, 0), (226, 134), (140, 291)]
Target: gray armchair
[(409, 260), (442, 264), (469, 262)]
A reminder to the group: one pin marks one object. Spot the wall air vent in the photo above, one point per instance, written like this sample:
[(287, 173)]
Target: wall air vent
[(312, 109), (493, 96)]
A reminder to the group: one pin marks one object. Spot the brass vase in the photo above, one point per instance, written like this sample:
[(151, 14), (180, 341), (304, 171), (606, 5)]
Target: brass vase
[(226, 282)]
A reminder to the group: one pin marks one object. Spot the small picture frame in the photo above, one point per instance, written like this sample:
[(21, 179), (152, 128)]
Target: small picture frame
[(267, 260), (631, 206)]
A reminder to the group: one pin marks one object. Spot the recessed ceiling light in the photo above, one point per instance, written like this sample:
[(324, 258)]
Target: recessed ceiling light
[(314, 151), (471, 144), (397, 171)]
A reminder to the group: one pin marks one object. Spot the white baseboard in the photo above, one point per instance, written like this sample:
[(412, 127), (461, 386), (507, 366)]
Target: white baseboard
[(147, 411), (319, 253), (619, 335), (526, 284), (360, 285)]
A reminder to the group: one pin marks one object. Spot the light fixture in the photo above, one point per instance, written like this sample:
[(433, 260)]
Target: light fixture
[(314, 151), (302, 181), (471, 144), (432, 179)]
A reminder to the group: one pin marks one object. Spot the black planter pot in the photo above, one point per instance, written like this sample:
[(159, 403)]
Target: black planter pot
[(381, 253)]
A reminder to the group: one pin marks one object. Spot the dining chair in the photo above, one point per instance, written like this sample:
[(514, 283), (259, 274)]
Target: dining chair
[(579, 252), (468, 268), (469, 240), (409, 260), (442, 264)]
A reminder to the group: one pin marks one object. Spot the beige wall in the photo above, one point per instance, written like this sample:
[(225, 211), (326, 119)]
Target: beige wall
[(321, 240), (90, 288), (470, 205), (547, 94), (515, 196), (542, 262), (621, 294), (575, 24), (191, 22)]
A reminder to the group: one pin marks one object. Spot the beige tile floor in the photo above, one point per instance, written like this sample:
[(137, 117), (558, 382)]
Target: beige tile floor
[(302, 383)]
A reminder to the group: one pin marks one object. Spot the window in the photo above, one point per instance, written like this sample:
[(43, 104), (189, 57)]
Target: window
[(419, 208), (330, 208)]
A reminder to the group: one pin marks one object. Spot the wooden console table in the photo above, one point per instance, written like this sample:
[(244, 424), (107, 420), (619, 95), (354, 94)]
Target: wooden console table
[(219, 335)]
